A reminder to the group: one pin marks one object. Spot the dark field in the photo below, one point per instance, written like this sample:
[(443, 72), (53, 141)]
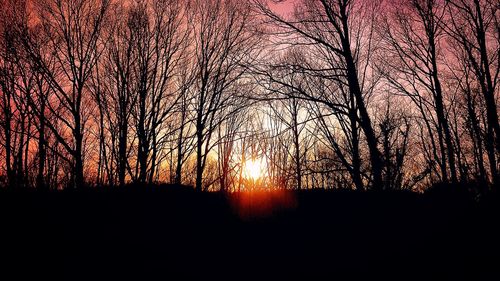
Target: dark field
[(152, 233)]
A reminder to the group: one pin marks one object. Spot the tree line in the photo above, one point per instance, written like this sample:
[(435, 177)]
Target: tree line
[(331, 94)]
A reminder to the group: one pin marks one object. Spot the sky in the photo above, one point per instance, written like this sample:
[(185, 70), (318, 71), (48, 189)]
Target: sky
[(282, 6)]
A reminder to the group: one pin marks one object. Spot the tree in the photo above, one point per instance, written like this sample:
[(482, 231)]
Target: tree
[(224, 44), (160, 41), (336, 29), (474, 25), (73, 30), (414, 35)]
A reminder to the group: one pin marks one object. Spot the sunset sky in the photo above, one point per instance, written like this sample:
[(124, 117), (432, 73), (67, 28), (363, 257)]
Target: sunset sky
[(102, 72), (282, 6)]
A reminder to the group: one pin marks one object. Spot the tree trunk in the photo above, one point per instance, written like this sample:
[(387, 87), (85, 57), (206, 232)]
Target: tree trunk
[(493, 136), (356, 159), (199, 159), (365, 122), (122, 151), (296, 143), (78, 167), (42, 150), (178, 167), (143, 145), (438, 97)]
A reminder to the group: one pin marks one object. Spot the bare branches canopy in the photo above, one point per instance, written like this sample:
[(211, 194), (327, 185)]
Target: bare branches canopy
[(231, 95)]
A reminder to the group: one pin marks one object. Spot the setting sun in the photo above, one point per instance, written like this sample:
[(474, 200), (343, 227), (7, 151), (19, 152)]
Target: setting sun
[(254, 169)]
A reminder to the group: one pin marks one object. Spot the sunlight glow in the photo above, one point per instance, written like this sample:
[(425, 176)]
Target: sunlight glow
[(254, 169)]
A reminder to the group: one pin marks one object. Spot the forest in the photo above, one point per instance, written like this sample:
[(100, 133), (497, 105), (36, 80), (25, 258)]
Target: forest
[(240, 95), (249, 139)]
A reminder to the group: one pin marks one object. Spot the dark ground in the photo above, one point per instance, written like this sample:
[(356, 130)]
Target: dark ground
[(152, 233)]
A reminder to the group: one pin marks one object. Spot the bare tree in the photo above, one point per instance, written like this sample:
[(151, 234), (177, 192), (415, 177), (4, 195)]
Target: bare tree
[(223, 43), (474, 25), (336, 29), (73, 32), (160, 37), (415, 34)]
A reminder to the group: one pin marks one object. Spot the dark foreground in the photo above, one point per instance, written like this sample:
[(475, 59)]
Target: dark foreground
[(155, 233)]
